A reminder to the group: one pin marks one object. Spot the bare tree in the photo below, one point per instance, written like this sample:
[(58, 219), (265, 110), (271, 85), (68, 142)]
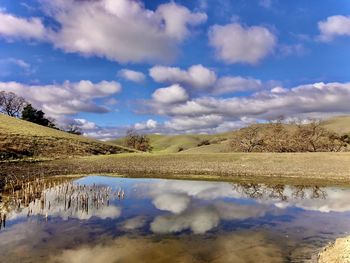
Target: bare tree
[(137, 141), (11, 104), (248, 139), (74, 129)]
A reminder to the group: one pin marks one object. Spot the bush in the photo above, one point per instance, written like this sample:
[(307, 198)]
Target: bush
[(203, 142)]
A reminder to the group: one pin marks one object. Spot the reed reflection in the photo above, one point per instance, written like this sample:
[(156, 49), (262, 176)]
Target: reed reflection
[(64, 198)]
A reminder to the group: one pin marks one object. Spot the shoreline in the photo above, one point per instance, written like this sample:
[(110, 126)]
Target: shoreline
[(303, 168), (337, 251)]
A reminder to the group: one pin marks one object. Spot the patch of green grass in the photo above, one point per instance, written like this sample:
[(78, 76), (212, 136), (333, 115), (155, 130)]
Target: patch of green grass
[(179, 143)]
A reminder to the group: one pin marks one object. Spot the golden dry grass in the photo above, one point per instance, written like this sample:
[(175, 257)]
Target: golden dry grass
[(306, 168), (20, 138)]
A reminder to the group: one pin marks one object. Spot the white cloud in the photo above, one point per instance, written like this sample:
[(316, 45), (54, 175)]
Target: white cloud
[(177, 18), (85, 124), (333, 27), (237, 44), (169, 95), (148, 125), (131, 75), (236, 84), (199, 220), (123, 30), (175, 203), (196, 76), (16, 27), (208, 114), (189, 123), (202, 78), (69, 98)]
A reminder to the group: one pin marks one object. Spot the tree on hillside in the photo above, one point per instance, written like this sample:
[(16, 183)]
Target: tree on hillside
[(31, 114), (137, 141), (288, 137), (74, 129), (248, 139), (11, 104)]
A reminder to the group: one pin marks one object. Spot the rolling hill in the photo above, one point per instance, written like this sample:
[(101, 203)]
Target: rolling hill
[(219, 143), (20, 138), (339, 124)]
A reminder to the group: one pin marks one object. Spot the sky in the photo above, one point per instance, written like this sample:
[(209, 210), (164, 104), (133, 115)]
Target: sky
[(175, 67)]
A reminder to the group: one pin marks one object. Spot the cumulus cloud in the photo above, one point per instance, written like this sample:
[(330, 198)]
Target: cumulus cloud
[(67, 98), (237, 44), (123, 30), (189, 123), (317, 97), (131, 75), (200, 219), (207, 114), (148, 125), (201, 78), (333, 27), (85, 124), (236, 84), (196, 76), (215, 114), (175, 203), (170, 95), (14, 27)]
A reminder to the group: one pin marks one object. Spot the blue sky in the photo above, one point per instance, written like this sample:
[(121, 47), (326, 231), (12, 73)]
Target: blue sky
[(176, 67)]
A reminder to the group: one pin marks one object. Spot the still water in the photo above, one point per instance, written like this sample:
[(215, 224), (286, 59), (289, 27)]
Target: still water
[(108, 219)]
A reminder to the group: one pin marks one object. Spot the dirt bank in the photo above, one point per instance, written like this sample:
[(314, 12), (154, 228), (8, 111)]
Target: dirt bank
[(338, 252)]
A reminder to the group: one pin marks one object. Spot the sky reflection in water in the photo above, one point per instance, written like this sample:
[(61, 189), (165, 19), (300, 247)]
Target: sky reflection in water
[(168, 220)]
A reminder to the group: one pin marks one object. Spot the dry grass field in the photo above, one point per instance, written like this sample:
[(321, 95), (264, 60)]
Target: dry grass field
[(297, 168), (20, 138)]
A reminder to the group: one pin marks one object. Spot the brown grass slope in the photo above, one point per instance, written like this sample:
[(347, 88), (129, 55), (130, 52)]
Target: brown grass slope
[(20, 139)]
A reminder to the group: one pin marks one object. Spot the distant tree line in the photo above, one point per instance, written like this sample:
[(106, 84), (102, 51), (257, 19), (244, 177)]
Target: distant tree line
[(293, 137), (16, 106)]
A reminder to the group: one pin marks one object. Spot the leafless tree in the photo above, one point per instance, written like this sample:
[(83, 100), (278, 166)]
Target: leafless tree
[(248, 139), (288, 137), (137, 141), (11, 104)]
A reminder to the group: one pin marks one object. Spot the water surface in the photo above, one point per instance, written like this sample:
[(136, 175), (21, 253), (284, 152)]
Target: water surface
[(107, 219)]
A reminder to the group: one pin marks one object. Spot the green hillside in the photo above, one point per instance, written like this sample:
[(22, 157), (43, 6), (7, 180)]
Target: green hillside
[(219, 143), (183, 143), (20, 138)]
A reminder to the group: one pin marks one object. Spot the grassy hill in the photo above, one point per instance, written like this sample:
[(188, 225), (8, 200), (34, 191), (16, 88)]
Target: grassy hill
[(180, 143), (219, 143), (340, 124), (20, 138)]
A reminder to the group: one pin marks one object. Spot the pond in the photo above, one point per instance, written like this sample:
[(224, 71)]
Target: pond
[(111, 219)]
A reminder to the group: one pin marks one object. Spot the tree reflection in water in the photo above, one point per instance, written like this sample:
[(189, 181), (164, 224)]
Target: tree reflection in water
[(278, 191)]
